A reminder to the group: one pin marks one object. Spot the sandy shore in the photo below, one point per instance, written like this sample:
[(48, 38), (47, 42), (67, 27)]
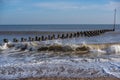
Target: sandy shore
[(99, 78)]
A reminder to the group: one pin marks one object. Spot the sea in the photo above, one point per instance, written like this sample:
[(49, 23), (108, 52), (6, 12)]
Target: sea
[(71, 57)]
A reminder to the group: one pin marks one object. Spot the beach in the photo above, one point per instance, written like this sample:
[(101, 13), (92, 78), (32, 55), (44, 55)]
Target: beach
[(77, 58), (99, 78), (59, 39)]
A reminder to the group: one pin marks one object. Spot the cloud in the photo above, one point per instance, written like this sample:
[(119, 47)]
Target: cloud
[(56, 5), (112, 5), (67, 5), (10, 1)]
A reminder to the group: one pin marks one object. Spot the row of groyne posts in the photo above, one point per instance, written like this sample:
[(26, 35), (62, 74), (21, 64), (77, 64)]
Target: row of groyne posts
[(66, 35)]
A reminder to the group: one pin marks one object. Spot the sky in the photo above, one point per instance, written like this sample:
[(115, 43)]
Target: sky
[(58, 11)]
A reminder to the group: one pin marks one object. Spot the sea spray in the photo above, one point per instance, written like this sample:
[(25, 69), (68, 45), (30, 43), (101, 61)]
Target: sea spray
[(22, 64), (97, 52), (113, 49), (57, 44), (51, 68), (3, 47)]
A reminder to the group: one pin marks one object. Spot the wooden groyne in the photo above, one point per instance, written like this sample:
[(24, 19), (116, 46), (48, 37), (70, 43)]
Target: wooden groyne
[(66, 35)]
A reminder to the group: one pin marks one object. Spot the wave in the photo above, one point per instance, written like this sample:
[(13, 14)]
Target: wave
[(114, 49), (57, 46), (48, 59)]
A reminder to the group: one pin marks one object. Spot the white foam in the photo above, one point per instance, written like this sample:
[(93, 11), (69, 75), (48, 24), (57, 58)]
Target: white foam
[(112, 69), (98, 51), (60, 68), (71, 67), (114, 49), (4, 46), (31, 65)]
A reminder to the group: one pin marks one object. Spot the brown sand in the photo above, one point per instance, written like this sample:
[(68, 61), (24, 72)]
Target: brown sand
[(99, 78)]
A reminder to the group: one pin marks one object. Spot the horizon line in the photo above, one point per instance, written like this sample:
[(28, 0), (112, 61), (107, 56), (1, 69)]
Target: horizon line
[(59, 24)]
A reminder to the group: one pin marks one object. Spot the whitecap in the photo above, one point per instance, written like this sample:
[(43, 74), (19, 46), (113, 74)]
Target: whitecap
[(114, 49)]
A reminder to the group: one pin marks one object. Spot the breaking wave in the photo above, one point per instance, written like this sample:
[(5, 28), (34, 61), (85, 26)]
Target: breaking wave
[(57, 46), (57, 59)]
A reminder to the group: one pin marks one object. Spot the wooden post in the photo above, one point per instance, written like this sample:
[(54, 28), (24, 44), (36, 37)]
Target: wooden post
[(5, 40), (39, 39), (30, 39), (53, 36), (33, 39), (66, 35), (78, 34), (15, 40), (49, 37), (42, 38), (70, 36), (114, 20), (75, 35), (22, 39), (36, 38), (62, 36), (81, 34), (46, 38)]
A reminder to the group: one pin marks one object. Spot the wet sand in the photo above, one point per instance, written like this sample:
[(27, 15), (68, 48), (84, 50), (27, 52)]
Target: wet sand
[(98, 78)]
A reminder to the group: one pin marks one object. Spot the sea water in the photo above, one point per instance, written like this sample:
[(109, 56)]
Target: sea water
[(16, 63), (56, 27)]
